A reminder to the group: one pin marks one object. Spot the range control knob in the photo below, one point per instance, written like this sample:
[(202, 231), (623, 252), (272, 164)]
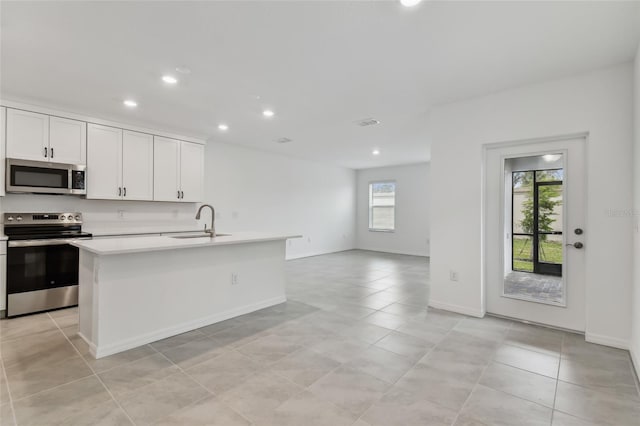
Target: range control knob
[(18, 218), (77, 217), (10, 219), (63, 217)]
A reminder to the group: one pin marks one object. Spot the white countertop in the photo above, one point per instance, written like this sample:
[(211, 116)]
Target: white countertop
[(110, 246)]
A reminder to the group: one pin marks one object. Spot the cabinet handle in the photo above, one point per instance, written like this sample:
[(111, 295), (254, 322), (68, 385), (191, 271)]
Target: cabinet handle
[(119, 192), (182, 194), (125, 191), (51, 152), (178, 195), (45, 152)]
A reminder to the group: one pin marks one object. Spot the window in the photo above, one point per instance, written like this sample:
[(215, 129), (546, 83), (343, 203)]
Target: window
[(382, 206)]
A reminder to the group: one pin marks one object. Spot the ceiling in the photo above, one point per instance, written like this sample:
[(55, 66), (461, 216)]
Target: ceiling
[(321, 66)]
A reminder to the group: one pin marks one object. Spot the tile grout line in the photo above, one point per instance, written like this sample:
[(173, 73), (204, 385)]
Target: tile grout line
[(113, 398), (211, 393), (475, 386), (555, 394), (6, 380), (411, 368)]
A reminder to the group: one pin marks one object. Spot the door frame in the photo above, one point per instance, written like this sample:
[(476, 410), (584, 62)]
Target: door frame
[(488, 186)]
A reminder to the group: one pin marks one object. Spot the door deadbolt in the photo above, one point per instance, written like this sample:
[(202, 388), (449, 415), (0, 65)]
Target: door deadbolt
[(578, 231)]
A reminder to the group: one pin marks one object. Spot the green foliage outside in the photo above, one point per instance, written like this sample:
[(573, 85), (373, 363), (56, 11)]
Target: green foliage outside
[(549, 198)]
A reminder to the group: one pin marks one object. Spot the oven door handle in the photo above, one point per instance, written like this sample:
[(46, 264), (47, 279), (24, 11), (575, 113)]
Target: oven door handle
[(40, 243)]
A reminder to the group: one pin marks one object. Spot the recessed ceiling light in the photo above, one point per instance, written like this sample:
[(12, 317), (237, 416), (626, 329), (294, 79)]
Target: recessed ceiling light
[(268, 113), (130, 103), (223, 127), (367, 122), (409, 3), (169, 79), (376, 152)]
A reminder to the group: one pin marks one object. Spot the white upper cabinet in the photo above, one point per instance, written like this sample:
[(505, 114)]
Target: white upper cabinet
[(104, 162), (40, 137), (179, 167), (191, 172), (67, 141), (137, 166), (166, 163), (3, 130), (27, 135)]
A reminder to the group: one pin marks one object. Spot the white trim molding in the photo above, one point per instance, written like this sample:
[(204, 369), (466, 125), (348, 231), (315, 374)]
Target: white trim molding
[(478, 313), (613, 342)]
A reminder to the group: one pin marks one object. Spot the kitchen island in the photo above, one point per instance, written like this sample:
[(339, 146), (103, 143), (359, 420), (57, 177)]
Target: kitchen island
[(137, 290)]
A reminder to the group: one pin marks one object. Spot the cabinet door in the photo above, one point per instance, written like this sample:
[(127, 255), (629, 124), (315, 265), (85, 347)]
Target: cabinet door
[(27, 135), (137, 166), (3, 130), (192, 171), (166, 163), (104, 162), (67, 141)]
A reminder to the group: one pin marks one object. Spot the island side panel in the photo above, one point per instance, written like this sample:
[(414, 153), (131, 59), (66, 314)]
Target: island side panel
[(148, 296), (86, 311)]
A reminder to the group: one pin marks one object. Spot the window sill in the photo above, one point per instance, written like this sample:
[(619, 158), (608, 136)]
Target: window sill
[(382, 230)]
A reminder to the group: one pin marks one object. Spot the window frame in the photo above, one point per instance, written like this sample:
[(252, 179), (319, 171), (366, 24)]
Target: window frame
[(370, 207)]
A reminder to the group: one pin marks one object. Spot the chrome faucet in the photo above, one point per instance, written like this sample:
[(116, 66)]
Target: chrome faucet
[(212, 231)]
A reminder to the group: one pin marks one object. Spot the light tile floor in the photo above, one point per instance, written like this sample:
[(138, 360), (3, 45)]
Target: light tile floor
[(354, 345)]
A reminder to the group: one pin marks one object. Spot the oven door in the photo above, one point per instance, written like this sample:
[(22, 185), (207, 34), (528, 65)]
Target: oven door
[(41, 275)]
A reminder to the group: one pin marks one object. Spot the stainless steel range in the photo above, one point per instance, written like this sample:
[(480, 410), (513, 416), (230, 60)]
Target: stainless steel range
[(42, 267)]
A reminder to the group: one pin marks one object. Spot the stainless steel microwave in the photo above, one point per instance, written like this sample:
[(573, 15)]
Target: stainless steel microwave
[(42, 177)]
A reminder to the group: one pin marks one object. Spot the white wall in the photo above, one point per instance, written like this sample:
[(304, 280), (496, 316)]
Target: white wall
[(412, 210), (599, 102), (635, 342), (251, 191), (256, 191)]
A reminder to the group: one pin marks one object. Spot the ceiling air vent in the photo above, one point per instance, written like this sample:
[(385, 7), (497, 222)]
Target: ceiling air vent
[(368, 122), (284, 140)]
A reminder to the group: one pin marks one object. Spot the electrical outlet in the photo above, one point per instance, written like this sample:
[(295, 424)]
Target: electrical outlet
[(453, 276), (234, 278), (121, 214)]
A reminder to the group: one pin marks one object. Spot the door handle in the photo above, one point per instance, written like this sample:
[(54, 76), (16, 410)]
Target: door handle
[(577, 245)]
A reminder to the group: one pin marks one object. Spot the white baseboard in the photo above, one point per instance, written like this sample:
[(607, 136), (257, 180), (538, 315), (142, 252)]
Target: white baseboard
[(123, 345), (405, 252), (600, 339), (465, 310)]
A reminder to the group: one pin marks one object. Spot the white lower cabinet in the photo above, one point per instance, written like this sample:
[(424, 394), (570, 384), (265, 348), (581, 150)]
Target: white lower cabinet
[(119, 164), (182, 170)]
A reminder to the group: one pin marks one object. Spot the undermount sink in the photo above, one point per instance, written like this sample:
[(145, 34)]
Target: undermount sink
[(199, 236)]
